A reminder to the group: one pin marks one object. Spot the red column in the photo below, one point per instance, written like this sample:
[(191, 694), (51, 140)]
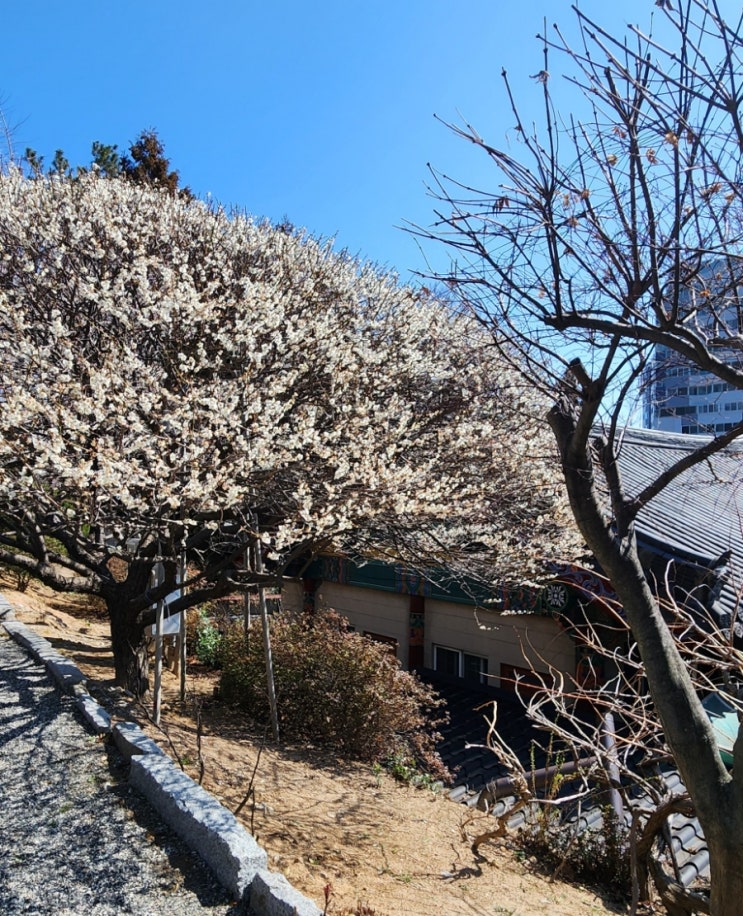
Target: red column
[(416, 631)]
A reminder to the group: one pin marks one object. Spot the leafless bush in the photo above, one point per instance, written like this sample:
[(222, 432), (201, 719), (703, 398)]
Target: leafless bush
[(336, 688), (623, 762)]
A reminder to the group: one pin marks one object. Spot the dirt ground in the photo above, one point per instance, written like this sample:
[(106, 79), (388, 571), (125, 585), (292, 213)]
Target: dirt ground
[(381, 848)]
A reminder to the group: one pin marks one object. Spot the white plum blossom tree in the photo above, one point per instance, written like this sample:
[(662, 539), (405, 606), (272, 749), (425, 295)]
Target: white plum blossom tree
[(174, 375)]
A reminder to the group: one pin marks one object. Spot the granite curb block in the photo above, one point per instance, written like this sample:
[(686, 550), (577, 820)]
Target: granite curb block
[(64, 672), (6, 611), (196, 816), (270, 894), (94, 714), (132, 741)]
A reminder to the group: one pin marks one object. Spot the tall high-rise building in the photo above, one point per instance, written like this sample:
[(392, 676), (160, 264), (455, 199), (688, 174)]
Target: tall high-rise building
[(678, 396), (681, 399)]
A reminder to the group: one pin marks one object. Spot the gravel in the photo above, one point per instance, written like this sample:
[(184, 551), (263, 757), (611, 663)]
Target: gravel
[(75, 840)]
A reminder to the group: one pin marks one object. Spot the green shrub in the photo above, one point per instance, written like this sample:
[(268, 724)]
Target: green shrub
[(554, 835), (335, 688), (208, 644), (598, 856)]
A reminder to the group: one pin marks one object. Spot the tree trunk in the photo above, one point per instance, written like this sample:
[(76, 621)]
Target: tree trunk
[(717, 797), (131, 664), (726, 867)]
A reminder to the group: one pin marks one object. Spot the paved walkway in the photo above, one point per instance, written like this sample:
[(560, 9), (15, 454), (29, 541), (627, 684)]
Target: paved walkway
[(75, 840)]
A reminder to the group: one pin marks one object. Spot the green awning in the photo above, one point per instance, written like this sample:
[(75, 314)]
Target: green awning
[(724, 719)]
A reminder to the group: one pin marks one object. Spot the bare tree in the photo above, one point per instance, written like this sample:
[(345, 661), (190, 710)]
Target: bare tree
[(610, 236), (607, 728)]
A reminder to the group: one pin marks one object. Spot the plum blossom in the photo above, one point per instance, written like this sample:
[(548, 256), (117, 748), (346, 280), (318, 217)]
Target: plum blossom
[(170, 371)]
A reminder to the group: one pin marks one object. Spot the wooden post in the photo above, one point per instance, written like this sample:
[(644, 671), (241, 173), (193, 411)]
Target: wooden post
[(246, 596), (182, 631), (158, 661), (270, 682)]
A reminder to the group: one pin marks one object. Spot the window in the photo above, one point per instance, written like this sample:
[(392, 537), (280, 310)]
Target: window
[(388, 641), (700, 389), (446, 661), (474, 668), (452, 662)]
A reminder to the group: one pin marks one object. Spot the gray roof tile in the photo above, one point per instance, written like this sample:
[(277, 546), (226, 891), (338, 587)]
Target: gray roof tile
[(700, 515)]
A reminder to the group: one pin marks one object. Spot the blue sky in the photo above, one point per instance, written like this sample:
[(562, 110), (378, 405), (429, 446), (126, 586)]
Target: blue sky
[(322, 112)]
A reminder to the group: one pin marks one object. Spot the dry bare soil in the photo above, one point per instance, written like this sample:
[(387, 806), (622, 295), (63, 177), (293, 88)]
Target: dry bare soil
[(382, 848)]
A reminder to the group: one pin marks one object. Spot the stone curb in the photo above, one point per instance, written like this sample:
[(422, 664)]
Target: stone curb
[(197, 817), (95, 715), (64, 672), (131, 741), (6, 611), (270, 894)]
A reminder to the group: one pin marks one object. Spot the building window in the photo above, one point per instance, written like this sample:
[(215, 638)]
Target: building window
[(446, 661), (452, 662), (388, 641)]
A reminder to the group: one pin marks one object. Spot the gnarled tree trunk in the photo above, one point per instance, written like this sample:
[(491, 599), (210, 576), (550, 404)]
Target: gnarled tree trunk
[(124, 603), (131, 663), (726, 867)]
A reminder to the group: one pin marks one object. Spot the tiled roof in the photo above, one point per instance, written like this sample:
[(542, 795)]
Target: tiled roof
[(476, 768), (468, 706), (699, 516)]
